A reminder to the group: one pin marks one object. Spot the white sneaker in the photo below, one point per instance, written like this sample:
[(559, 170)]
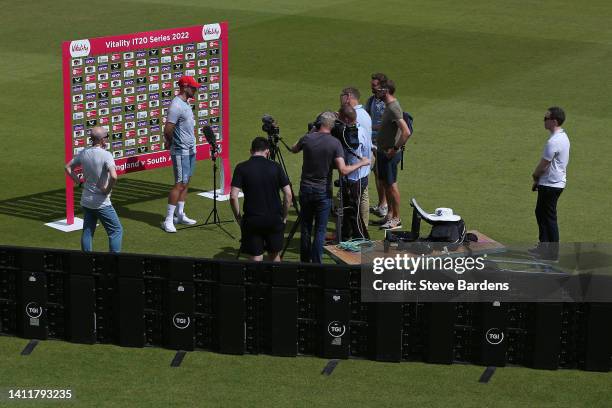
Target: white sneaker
[(184, 219), (168, 226), (379, 211), (393, 223)]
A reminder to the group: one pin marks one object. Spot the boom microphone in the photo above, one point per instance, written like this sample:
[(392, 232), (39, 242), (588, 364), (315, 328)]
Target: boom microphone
[(209, 135)]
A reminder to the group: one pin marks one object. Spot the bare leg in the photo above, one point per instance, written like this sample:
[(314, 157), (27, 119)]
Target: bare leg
[(389, 198), (183, 194), (394, 200), (274, 256), (178, 191), (380, 189)]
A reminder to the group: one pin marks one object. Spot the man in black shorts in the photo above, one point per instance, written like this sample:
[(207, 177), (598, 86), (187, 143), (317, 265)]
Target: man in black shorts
[(264, 217)]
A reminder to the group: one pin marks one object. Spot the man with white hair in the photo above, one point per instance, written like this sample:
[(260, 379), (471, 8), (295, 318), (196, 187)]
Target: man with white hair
[(322, 152), (100, 175)]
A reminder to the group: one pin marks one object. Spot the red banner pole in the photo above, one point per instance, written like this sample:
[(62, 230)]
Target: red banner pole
[(67, 130), (227, 171)]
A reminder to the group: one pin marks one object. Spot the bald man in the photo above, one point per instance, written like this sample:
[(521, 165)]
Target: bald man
[(100, 175)]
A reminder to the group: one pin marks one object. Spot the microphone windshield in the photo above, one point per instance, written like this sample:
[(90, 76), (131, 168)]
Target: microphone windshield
[(209, 135)]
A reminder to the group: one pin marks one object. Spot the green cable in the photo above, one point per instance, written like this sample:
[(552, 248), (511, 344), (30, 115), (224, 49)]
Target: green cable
[(354, 245)]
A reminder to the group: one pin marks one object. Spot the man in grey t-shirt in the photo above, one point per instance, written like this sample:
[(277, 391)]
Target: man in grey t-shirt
[(392, 136), (180, 139), (100, 176), (322, 152)]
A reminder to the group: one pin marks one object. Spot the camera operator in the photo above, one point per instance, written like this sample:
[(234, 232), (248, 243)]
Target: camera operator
[(321, 152), (264, 218), (355, 184)]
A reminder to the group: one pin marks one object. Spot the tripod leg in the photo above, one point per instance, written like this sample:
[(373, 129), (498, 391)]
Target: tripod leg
[(209, 215), (295, 227), (278, 157), (340, 213), (239, 252)]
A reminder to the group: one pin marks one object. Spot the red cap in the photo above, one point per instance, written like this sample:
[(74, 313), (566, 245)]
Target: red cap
[(186, 80)]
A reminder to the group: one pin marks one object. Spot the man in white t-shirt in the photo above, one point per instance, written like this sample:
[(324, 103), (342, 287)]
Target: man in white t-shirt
[(99, 176), (549, 179)]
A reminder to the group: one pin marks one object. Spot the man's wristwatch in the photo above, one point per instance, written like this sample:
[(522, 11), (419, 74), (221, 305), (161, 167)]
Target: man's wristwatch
[(395, 148)]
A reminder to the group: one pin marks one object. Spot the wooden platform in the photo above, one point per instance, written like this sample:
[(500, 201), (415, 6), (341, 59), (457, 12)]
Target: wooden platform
[(485, 245)]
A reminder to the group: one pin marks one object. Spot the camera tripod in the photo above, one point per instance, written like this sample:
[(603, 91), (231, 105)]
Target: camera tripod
[(276, 155)]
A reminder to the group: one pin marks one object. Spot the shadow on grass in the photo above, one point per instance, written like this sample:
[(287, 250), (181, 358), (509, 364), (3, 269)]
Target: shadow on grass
[(292, 253), (229, 252), (51, 205)]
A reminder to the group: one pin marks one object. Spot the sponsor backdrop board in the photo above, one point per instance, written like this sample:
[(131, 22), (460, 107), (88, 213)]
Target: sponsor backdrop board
[(126, 83)]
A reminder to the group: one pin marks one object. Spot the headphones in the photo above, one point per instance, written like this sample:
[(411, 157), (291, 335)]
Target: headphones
[(318, 120)]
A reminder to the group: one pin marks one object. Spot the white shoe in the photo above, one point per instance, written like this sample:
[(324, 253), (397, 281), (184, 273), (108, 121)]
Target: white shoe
[(393, 223), (168, 226), (379, 211), (184, 219)]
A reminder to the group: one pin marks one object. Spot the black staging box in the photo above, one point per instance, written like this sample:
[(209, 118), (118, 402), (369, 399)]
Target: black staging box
[(280, 309)]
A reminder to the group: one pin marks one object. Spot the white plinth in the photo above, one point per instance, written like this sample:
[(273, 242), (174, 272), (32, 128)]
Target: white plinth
[(220, 196), (62, 225)]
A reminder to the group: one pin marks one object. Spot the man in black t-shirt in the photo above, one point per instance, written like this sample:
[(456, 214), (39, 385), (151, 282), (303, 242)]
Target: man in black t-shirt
[(322, 152), (265, 216)]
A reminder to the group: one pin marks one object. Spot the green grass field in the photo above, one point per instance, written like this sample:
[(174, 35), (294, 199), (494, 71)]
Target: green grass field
[(477, 77), (113, 376)]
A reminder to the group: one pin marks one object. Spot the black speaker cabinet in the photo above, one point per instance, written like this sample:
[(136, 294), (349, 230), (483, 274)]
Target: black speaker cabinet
[(335, 334), (598, 337), (492, 335), (31, 304), (80, 309), (130, 312), (544, 339), (179, 326), (283, 318), (385, 331), (440, 337), (231, 319)]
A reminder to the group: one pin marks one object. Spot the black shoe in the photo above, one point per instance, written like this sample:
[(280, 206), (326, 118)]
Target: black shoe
[(549, 258), (535, 251), (544, 253)]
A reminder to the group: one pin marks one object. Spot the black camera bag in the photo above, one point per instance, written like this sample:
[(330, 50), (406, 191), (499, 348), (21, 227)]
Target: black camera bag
[(448, 233)]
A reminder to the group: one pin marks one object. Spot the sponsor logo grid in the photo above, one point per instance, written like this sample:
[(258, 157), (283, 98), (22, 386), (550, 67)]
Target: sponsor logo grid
[(136, 85)]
